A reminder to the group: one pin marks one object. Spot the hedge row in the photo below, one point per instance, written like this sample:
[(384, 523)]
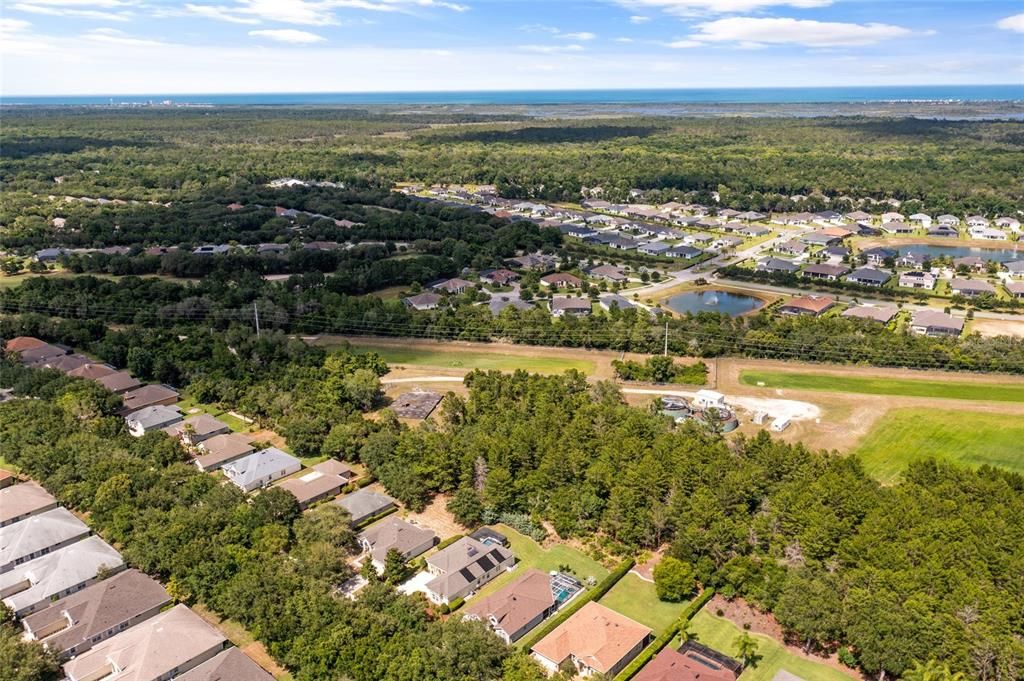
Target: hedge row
[(594, 594), (648, 653), (449, 541), (372, 519)]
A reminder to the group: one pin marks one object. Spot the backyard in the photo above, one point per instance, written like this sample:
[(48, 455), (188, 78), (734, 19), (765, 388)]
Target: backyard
[(900, 387), (636, 598), (720, 634), (965, 437), (460, 358)]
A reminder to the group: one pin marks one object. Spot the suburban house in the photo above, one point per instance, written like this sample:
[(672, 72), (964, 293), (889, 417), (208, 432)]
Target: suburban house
[(813, 306), (229, 665), (23, 500), (776, 265), (148, 396), (970, 262), (868, 276), (394, 533), (595, 640), (423, 301), (561, 280), (917, 279), (897, 227), (335, 467), (313, 486), (692, 662), (1015, 268), (912, 259), (50, 254), (822, 238), (6, 479), (922, 219), (988, 234), (947, 219), (149, 419), (74, 624), (793, 247), (63, 363), (464, 567), (19, 344), (364, 504), (533, 261), (698, 238), (41, 353), (162, 647), (452, 285), (827, 272), (683, 251), (92, 371), (33, 585), (969, 288), (561, 307), (750, 216), (944, 231), (829, 216), (197, 429), (613, 300), (935, 323), (882, 314), (119, 382), (892, 217), (261, 468), (608, 273), (212, 249), (39, 535), (498, 303), (1014, 288), (858, 216), (517, 608), (653, 248), (222, 449), (977, 221), (499, 277), (1008, 223), (878, 255), (754, 231)]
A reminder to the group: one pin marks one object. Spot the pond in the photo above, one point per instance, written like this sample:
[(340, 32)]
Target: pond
[(997, 254), (732, 304)]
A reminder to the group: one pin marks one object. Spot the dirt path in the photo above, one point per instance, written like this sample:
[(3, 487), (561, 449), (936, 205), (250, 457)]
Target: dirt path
[(245, 642)]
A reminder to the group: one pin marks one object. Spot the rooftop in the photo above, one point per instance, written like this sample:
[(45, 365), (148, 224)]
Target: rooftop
[(230, 665), (38, 533), (519, 603), (596, 635), (223, 448), (23, 499)]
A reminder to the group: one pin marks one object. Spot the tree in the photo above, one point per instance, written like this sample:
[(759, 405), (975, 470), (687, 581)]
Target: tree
[(674, 580), (746, 649), (363, 388), (24, 660), (395, 568), (932, 670), (466, 506)]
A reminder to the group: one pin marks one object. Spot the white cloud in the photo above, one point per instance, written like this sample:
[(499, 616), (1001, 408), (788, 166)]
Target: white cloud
[(638, 19), (551, 49), (753, 31), (221, 13), (1013, 23), (582, 35), (542, 28), (102, 4), (623, 40), (113, 36), (289, 35), (689, 8), (55, 11), (683, 44), (308, 12), (10, 27)]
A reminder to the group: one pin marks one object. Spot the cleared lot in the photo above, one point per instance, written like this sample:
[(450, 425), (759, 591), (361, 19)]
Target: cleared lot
[(950, 388)]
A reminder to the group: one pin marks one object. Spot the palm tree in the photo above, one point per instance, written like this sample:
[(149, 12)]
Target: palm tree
[(932, 671), (746, 648)]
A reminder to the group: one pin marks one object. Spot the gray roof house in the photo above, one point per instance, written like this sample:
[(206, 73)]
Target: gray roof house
[(261, 468), (363, 504), (1015, 268), (74, 624), (37, 536), (395, 533), (162, 647), (828, 272), (776, 265), (970, 287), (882, 314), (20, 501), (222, 449), (653, 248), (197, 429), (423, 301), (152, 418), (683, 251), (464, 567), (935, 323), (229, 665), (31, 586), (610, 300), (561, 307), (868, 276)]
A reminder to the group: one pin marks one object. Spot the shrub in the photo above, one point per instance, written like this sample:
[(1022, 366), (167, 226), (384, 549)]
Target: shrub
[(674, 580)]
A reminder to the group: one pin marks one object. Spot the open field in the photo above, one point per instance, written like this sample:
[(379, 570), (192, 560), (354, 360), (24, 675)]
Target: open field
[(477, 360), (530, 554), (637, 599), (720, 634), (965, 437), (876, 385)]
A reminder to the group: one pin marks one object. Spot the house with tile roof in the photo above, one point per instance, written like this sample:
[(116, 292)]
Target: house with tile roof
[(596, 639)]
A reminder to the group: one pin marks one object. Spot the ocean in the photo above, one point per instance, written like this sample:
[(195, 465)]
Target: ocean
[(806, 95)]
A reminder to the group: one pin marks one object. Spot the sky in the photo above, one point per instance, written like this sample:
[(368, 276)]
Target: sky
[(89, 47)]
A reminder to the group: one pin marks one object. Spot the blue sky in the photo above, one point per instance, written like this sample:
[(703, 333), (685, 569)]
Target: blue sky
[(207, 46)]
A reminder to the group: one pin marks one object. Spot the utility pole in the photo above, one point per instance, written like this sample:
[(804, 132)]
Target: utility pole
[(256, 313), (666, 338)]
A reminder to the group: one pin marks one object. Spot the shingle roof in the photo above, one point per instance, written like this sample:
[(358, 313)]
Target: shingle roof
[(596, 635), (147, 395), (312, 485), (119, 381), (365, 503), (23, 499), (223, 448), (249, 469), (38, 533), (937, 320), (22, 343), (395, 533), (881, 313), (230, 665), (91, 371), (157, 416), (203, 425), (462, 563), (519, 603)]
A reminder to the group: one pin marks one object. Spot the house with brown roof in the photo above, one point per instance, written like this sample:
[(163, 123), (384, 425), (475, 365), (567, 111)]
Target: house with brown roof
[(1014, 288), (453, 285), (394, 533), (517, 608), (23, 500), (197, 428), (936, 323), (119, 382), (596, 639), (159, 648), (229, 665), (74, 624), (692, 662), (92, 371), (499, 277), (608, 273), (561, 280), (222, 449), (312, 487), (148, 396), (6, 478), (882, 314), (813, 306), (63, 363), (19, 344), (570, 307)]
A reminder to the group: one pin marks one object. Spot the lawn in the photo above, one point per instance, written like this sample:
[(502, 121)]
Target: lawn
[(459, 358), (530, 554), (720, 633), (636, 598), (187, 404), (968, 438), (906, 387)]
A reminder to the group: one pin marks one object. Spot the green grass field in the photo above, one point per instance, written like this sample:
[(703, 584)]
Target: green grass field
[(459, 358), (638, 600), (968, 438), (720, 633), (908, 387), (531, 555)]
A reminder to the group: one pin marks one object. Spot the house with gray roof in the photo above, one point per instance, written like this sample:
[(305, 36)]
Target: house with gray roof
[(566, 307), (39, 353), (653, 248), (261, 468), (423, 301), (23, 500), (198, 428), (222, 449), (882, 314), (464, 567), (969, 288), (364, 504), (610, 300), (936, 323), (776, 265), (162, 647), (394, 533), (868, 276), (1015, 268), (683, 251), (39, 535), (150, 395), (827, 272), (498, 303), (229, 665), (118, 382), (33, 585), (152, 418), (73, 624)]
